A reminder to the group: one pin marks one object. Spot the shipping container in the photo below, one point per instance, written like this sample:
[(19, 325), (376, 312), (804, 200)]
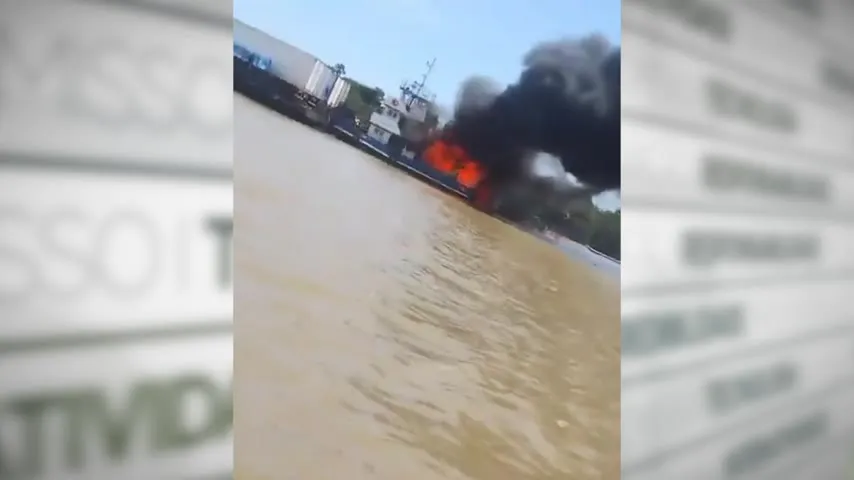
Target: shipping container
[(340, 91), (321, 81), (291, 64)]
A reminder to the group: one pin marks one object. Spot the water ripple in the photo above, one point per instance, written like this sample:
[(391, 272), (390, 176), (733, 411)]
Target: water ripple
[(386, 331)]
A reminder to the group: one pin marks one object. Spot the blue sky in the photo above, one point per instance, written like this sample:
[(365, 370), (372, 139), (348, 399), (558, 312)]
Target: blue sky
[(383, 42)]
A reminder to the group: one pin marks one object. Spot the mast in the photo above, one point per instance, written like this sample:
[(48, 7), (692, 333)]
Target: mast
[(426, 75), (415, 89)]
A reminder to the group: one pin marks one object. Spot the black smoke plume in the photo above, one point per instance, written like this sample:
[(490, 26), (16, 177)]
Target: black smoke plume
[(566, 103)]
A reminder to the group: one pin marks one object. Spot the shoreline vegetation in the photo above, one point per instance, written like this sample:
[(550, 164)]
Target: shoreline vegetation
[(580, 221)]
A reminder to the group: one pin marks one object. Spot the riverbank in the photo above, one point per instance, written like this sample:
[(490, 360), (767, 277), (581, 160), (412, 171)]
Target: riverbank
[(582, 253)]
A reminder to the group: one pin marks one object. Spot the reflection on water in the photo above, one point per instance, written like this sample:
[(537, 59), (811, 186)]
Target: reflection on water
[(386, 331)]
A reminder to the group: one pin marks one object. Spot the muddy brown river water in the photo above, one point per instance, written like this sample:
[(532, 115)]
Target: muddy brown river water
[(385, 330)]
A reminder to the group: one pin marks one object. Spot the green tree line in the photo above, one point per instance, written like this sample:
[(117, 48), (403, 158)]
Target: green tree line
[(363, 100), (605, 232)]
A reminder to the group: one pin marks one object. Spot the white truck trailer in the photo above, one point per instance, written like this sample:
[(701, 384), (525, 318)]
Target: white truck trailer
[(314, 79)]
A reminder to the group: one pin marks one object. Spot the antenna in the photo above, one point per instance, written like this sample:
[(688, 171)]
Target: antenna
[(414, 89), (423, 81)]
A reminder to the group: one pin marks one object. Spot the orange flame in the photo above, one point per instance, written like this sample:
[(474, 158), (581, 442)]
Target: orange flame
[(452, 159)]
